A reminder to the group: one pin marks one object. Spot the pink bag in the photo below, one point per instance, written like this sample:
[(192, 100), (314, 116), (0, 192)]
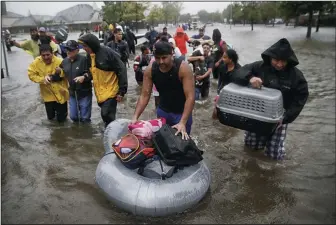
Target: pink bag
[(145, 129)]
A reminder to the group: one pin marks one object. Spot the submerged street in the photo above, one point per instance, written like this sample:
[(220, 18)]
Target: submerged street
[(48, 169)]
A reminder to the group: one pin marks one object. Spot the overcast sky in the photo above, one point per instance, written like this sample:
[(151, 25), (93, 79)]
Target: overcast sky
[(51, 8)]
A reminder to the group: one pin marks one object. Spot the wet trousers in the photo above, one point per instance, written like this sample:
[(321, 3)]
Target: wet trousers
[(275, 144)]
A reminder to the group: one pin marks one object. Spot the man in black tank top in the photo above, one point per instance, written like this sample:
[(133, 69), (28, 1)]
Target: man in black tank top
[(175, 83)]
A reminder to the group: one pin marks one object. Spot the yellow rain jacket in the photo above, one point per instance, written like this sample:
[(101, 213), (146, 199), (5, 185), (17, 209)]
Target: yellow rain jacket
[(108, 71), (55, 91), (32, 47)]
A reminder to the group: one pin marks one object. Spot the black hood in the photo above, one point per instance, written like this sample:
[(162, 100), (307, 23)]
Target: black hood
[(281, 50), (90, 40)]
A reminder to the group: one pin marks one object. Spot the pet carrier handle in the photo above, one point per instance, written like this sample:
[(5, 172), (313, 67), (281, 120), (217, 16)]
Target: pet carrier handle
[(250, 86)]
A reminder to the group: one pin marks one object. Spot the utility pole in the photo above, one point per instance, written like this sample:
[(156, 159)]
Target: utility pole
[(136, 17), (231, 16)]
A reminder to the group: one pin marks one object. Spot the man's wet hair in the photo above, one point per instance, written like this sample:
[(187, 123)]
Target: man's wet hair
[(232, 54), (162, 48), (143, 48), (33, 29), (206, 43), (164, 39), (117, 30), (46, 48), (45, 40), (216, 35)]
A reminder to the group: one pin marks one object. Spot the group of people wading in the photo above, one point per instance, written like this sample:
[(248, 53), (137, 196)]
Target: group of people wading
[(168, 73)]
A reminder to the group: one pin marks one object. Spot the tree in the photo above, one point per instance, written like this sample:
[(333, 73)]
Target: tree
[(325, 7), (185, 18), (124, 11), (177, 7), (168, 10), (203, 16), (155, 15), (310, 8), (216, 17), (267, 11), (305, 8), (134, 11), (245, 11), (289, 10), (113, 11), (237, 13), (251, 9)]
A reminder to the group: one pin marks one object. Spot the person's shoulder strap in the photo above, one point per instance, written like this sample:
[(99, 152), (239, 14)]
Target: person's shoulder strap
[(177, 65), (154, 67)]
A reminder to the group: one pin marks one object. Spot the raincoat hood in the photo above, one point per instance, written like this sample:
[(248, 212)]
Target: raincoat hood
[(90, 40), (281, 50), (179, 30)]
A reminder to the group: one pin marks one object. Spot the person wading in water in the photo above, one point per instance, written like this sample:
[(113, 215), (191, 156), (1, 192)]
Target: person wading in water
[(174, 81)]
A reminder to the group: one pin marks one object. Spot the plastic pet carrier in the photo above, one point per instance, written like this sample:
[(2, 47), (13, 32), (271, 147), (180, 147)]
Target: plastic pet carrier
[(250, 109)]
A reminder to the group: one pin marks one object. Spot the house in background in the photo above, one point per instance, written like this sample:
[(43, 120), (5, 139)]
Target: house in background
[(8, 18), (24, 24), (82, 16)]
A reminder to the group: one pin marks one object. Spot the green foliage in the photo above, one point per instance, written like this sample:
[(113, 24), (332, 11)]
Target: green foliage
[(203, 16), (237, 12), (124, 11), (252, 11), (155, 15), (185, 18), (177, 7), (206, 17), (268, 11), (167, 12)]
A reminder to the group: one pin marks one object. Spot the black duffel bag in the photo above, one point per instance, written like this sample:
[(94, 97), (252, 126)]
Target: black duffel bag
[(175, 151)]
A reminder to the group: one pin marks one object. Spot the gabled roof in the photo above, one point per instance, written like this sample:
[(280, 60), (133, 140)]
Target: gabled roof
[(58, 19), (11, 15), (42, 18), (25, 22), (96, 17), (8, 22), (81, 12)]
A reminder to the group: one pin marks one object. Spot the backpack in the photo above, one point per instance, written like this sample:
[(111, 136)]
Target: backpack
[(175, 151), (61, 35), (132, 151)]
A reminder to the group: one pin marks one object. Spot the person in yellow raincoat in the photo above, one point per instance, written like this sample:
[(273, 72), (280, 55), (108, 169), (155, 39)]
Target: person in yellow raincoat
[(109, 76), (54, 89)]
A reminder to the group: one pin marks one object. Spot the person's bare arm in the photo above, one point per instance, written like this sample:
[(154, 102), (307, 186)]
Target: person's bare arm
[(195, 58), (188, 82), (224, 49), (16, 44), (206, 74), (24, 45), (145, 93)]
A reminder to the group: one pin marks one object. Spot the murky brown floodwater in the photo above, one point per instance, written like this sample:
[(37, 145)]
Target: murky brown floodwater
[(48, 170)]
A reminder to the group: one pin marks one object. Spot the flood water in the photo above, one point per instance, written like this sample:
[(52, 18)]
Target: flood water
[(47, 171)]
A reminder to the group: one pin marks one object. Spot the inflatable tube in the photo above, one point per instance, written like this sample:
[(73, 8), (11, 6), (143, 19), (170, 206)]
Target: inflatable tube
[(145, 196)]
